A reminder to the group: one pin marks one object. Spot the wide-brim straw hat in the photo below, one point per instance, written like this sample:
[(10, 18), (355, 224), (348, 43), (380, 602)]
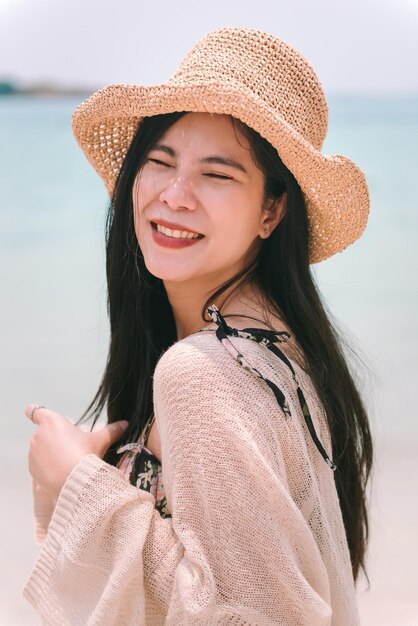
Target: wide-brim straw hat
[(267, 84)]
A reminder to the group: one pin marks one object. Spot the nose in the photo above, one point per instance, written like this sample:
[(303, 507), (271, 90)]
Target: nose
[(179, 193)]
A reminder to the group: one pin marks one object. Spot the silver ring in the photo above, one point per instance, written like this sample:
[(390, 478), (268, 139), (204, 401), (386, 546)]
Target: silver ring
[(35, 408)]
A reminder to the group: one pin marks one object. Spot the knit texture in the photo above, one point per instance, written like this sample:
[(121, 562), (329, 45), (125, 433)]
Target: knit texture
[(267, 84), (256, 535)]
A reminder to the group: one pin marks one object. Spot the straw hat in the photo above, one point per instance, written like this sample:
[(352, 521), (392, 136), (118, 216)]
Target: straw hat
[(268, 85)]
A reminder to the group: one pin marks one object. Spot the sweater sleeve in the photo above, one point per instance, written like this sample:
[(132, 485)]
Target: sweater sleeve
[(237, 549)]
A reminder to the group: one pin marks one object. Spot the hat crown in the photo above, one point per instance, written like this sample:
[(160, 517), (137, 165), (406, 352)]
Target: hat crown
[(265, 66)]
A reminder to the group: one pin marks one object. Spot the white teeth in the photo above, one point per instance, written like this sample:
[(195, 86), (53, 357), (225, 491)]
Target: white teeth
[(178, 234)]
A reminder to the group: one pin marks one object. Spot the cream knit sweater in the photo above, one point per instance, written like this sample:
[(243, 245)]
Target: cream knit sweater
[(256, 535)]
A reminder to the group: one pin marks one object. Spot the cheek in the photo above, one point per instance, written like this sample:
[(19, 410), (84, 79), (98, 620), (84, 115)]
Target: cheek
[(239, 221)]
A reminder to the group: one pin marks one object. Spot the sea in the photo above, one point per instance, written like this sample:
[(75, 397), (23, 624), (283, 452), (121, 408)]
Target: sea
[(54, 329)]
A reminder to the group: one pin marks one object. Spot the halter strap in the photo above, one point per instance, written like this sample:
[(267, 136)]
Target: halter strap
[(267, 338)]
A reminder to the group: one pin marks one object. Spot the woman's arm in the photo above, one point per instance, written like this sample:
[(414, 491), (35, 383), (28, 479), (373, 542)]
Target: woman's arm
[(237, 549)]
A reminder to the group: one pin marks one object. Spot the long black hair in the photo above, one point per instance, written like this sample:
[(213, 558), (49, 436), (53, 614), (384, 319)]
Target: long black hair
[(142, 324)]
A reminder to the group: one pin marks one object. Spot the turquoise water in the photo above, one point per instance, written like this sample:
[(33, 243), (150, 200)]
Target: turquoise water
[(53, 313)]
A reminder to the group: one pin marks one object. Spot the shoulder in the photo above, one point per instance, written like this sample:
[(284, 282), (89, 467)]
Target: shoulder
[(246, 388), (202, 392), (201, 360), (196, 354), (198, 382), (189, 351), (201, 354)]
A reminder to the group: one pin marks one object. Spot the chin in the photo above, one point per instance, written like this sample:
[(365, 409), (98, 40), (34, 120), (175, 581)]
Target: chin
[(160, 270)]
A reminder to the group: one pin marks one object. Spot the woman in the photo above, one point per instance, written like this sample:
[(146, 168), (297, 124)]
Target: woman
[(214, 501)]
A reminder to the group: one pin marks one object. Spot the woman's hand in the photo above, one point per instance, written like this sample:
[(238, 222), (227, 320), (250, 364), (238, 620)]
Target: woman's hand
[(58, 445)]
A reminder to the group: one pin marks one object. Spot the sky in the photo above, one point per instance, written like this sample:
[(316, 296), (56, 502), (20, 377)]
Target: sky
[(355, 46)]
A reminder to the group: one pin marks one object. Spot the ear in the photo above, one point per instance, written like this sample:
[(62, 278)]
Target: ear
[(273, 212)]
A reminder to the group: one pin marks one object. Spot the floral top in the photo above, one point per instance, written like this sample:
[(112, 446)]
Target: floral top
[(143, 469)]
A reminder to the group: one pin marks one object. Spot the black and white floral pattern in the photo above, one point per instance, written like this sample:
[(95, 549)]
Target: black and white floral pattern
[(144, 469)]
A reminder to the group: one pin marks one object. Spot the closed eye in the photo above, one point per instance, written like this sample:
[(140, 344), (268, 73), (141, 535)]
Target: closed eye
[(158, 162), (220, 176)]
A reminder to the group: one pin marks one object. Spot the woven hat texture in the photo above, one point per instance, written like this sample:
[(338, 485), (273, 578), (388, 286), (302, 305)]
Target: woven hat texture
[(267, 84)]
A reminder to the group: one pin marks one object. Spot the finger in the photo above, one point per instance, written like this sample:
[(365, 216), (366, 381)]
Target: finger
[(38, 414), (34, 412), (111, 433)]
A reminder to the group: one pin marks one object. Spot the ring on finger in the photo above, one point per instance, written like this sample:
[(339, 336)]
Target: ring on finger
[(35, 408)]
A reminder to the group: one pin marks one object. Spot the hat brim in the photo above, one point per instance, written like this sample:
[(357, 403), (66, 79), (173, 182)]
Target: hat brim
[(334, 188)]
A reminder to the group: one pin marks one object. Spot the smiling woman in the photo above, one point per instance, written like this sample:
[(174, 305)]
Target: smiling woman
[(201, 178), (236, 491)]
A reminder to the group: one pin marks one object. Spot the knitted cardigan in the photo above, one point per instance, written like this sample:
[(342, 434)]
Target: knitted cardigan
[(256, 535)]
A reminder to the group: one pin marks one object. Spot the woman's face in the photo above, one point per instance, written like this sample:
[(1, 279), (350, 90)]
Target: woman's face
[(200, 178)]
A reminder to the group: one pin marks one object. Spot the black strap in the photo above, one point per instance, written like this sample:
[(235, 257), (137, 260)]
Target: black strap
[(269, 338)]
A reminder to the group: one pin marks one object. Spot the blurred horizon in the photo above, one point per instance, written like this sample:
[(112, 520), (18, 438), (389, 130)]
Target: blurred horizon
[(64, 88)]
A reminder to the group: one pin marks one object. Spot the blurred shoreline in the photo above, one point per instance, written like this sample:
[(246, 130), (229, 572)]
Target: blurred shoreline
[(14, 88)]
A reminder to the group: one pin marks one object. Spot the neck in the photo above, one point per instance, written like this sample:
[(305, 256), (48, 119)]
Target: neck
[(187, 302)]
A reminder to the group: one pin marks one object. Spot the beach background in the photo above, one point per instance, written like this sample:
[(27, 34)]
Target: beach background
[(54, 331)]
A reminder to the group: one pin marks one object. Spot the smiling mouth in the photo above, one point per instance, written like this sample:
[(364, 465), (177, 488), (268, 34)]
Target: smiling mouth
[(176, 234)]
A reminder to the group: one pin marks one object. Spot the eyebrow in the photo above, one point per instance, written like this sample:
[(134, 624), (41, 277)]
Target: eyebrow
[(215, 159)]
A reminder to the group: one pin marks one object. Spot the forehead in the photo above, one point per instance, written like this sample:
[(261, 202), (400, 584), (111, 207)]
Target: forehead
[(207, 131)]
